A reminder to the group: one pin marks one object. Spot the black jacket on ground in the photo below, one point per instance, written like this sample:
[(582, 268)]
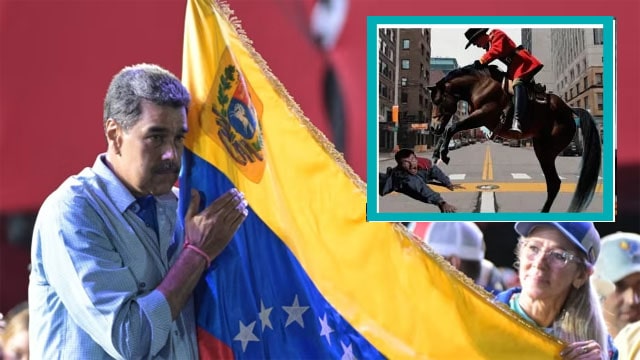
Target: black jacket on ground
[(415, 186)]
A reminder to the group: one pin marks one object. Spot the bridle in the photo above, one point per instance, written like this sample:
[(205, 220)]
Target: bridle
[(443, 113)]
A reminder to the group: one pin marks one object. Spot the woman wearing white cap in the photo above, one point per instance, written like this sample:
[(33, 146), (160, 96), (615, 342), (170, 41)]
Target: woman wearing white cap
[(555, 263)]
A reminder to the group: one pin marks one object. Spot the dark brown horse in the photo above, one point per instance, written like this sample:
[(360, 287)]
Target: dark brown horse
[(549, 122)]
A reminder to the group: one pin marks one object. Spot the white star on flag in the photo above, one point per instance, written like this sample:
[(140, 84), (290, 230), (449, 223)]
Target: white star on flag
[(325, 328), (294, 312), (264, 316), (348, 352), (246, 334)]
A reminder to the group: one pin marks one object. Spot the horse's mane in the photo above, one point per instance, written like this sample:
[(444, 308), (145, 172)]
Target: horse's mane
[(490, 70)]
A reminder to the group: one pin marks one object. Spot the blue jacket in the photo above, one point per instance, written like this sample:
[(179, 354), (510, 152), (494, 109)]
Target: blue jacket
[(506, 295)]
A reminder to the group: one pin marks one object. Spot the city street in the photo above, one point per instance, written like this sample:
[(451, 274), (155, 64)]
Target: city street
[(497, 178)]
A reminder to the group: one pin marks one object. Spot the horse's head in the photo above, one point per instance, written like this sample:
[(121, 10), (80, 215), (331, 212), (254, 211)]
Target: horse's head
[(444, 106)]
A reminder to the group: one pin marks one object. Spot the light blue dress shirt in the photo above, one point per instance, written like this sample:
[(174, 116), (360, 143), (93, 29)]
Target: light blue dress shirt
[(95, 267)]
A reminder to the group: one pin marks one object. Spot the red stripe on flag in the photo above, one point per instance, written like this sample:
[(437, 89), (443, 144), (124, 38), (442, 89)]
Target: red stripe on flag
[(210, 347)]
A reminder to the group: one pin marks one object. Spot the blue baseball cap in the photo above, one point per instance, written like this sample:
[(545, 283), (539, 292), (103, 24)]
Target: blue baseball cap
[(582, 234)]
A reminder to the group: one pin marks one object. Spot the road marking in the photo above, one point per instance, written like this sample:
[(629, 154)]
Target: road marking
[(487, 203), (487, 167), (513, 187), (520, 176), (457, 176)]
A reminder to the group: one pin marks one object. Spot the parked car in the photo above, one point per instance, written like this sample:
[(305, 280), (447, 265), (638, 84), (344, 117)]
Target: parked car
[(452, 145), (573, 149), (472, 140), (464, 141), (514, 143), (458, 143)]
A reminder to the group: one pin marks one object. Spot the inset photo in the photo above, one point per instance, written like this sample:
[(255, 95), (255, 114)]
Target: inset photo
[(491, 118)]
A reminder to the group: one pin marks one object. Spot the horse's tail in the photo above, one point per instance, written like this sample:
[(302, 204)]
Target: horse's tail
[(591, 159)]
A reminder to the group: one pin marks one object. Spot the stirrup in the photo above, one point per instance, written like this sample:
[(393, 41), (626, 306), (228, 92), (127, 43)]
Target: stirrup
[(515, 126)]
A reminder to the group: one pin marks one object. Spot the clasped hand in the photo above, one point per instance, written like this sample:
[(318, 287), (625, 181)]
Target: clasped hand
[(213, 228)]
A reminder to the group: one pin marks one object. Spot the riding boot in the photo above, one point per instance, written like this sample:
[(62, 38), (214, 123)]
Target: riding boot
[(520, 97)]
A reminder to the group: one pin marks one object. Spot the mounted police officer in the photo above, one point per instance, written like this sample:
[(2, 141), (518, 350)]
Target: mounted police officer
[(521, 65)]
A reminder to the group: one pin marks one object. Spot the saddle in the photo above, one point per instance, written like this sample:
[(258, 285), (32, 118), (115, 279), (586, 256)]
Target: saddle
[(535, 91)]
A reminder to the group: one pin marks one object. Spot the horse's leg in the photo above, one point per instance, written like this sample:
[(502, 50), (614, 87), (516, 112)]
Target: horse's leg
[(436, 149), (546, 155), (444, 147)]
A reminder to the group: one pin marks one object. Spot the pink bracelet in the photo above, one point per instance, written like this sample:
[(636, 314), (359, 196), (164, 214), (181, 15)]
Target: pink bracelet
[(206, 257)]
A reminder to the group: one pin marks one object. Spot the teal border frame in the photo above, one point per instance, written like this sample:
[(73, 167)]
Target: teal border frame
[(608, 141)]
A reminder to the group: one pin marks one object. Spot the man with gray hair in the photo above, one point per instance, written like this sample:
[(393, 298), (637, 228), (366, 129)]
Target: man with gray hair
[(112, 267), (617, 280)]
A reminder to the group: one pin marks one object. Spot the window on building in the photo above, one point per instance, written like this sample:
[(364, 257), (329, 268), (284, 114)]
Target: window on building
[(577, 89), (404, 97), (599, 101), (405, 43), (578, 69), (586, 102), (403, 81), (586, 83), (571, 93), (572, 73), (598, 78), (597, 36), (405, 64), (392, 56), (384, 92), (579, 102)]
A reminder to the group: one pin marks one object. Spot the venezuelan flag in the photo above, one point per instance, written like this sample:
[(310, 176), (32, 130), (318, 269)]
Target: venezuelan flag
[(306, 276)]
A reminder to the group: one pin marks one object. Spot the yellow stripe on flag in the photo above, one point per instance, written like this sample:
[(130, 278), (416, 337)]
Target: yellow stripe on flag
[(402, 298)]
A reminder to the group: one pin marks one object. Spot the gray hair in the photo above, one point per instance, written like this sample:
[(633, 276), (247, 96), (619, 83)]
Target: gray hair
[(581, 316), (142, 82)]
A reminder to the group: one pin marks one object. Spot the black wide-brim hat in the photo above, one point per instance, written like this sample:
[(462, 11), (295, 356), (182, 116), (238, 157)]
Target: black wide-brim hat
[(472, 34)]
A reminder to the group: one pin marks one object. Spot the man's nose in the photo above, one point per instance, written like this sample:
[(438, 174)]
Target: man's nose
[(631, 296), (170, 152)]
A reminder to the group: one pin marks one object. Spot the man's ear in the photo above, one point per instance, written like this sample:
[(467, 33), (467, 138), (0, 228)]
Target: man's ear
[(113, 133)]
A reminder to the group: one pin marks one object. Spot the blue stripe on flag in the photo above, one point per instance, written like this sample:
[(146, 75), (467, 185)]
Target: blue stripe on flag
[(256, 297)]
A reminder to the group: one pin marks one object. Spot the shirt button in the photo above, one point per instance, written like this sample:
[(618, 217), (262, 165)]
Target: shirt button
[(142, 285), (148, 225)]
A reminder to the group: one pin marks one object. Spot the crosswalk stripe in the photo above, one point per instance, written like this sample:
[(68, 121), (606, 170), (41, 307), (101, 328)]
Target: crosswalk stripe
[(457, 176), (520, 176)]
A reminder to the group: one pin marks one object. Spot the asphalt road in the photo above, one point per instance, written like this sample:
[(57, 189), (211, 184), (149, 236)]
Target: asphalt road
[(497, 178)]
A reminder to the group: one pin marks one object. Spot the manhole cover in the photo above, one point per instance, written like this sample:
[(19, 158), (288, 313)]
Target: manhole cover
[(487, 187)]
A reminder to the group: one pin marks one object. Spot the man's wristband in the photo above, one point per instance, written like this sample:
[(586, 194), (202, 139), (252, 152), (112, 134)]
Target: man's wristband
[(189, 245)]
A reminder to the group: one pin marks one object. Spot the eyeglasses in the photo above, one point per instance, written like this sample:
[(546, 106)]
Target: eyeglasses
[(555, 258)]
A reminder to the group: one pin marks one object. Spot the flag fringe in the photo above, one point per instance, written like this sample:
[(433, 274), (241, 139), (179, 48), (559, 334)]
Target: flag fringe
[(223, 8)]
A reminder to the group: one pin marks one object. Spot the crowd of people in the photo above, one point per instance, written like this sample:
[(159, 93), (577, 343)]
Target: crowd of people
[(571, 284)]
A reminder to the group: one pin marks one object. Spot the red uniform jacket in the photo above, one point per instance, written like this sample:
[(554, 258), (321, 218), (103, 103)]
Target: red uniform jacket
[(520, 63)]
